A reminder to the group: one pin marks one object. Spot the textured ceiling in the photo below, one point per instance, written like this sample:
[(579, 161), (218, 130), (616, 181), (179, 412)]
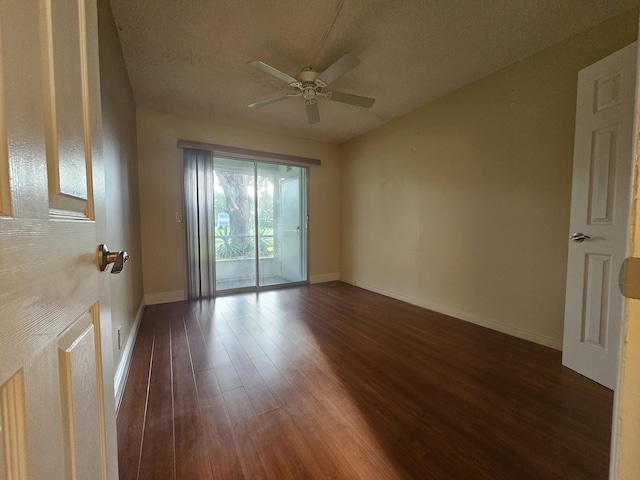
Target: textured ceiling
[(190, 56)]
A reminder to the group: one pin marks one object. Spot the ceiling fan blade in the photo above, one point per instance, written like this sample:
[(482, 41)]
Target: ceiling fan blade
[(268, 101), (339, 68), (273, 71), (313, 115), (357, 100)]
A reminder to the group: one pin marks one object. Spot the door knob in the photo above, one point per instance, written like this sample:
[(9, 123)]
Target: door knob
[(580, 237), (105, 257)]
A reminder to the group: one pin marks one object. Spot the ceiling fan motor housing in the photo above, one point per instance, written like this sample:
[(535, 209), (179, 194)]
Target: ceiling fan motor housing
[(308, 75)]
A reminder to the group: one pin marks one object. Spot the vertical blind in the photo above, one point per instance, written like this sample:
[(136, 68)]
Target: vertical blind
[(199, 222)]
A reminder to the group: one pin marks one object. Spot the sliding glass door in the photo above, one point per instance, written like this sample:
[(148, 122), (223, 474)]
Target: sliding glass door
[(260, 224), (282, 224)]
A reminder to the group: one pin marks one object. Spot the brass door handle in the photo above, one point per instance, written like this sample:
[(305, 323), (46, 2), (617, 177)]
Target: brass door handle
[(105, 257)]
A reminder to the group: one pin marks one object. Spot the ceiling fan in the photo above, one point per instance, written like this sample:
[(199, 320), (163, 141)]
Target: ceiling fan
[(310, 85)]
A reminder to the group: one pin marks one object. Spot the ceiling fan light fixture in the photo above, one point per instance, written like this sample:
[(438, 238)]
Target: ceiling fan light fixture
[(309, 93)]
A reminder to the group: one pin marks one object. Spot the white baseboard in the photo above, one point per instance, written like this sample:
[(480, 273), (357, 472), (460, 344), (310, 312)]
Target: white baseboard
[(462, 315), (325, 277), (164, 297), (120, 377)]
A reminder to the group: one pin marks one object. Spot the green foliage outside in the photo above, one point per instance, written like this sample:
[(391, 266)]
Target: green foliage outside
[(229, 246)]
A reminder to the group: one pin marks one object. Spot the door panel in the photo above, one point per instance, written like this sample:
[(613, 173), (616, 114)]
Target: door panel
[(602, 187), (596, 320), (235, 248), (79, 388), (5, 197), (287, 261), (65, 108), (292, 229), (599, 209), (58, 415), (267, 181), (13, 444)]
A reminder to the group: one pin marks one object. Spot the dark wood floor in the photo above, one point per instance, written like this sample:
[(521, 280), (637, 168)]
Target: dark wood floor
[(333, 382)]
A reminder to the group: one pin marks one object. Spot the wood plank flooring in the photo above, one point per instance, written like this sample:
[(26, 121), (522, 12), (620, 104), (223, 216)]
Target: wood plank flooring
[(330, 381)]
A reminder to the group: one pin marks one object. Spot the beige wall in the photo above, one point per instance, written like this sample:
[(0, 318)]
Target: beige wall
[(121, 177), (163, 239), (463, 205)]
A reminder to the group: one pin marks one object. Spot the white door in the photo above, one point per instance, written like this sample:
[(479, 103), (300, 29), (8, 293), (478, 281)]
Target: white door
[(600, 202), (57, 418)]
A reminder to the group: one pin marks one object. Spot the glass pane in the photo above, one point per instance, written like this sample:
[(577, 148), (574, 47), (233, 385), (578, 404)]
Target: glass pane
[(281, 224), (235, 246)]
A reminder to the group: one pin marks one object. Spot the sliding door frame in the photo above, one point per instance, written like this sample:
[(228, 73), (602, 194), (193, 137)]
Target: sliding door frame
[(304, 218), (259, 157)]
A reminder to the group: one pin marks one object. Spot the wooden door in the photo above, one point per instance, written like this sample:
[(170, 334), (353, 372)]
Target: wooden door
[(600, 202), (56, 384)]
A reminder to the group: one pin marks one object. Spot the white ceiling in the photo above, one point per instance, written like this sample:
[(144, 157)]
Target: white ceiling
[(190, 56)]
